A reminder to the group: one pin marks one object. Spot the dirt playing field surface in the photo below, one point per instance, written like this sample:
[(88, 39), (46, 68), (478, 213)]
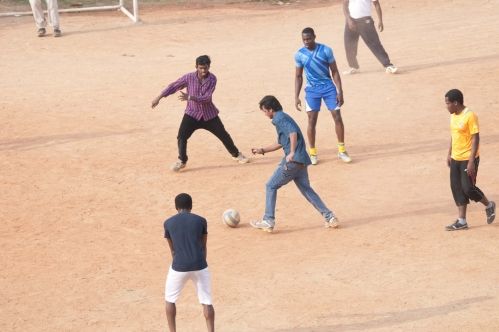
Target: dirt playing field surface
[(85, 182)]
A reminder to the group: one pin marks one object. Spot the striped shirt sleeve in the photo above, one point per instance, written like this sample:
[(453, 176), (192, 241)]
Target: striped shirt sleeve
[(175, 86)]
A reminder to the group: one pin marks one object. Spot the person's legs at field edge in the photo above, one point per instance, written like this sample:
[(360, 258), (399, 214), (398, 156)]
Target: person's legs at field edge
[(36, 8), (53, 14), (303, 183), (38, 15)]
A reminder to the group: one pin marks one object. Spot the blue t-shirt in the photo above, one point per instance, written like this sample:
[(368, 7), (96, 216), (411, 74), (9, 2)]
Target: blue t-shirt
[(186, 230), (316, 64), (285, 125)]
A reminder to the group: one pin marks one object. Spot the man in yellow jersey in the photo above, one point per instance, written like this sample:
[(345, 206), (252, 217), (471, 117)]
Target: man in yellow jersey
[(463, 160)]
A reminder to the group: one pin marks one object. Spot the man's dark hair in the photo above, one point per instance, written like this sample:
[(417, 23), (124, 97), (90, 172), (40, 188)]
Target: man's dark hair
[(183, 202), (308, 31), (271, 102), (203, 60), (455, 95)]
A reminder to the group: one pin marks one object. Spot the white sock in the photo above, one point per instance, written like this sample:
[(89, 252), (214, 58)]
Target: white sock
[(462, 221), (490, 205)]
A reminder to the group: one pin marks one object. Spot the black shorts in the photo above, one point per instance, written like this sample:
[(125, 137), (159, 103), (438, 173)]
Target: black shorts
[(462, 185)]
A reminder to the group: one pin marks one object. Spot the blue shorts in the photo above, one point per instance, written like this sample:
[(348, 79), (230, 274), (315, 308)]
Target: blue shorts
[(315, 94)]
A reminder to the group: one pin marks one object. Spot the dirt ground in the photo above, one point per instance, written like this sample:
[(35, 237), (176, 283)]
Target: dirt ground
[(85, 184)]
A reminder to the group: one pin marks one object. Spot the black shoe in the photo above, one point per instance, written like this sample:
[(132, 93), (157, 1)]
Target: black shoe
[(57, 33), (41, 32), (491, 213), (456, 226)]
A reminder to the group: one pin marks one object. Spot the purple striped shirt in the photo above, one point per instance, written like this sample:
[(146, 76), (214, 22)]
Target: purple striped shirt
[(200, 106)]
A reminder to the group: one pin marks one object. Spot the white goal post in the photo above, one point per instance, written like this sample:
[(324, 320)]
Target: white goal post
[(120, 6)]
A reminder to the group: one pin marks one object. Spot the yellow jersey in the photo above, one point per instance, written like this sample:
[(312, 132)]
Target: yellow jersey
[(462, 127)]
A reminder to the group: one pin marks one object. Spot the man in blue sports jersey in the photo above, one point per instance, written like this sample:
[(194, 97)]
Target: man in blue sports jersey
[(320, 65)]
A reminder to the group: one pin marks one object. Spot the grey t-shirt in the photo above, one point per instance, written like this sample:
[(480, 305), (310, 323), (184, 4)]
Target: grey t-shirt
[(186, 230)]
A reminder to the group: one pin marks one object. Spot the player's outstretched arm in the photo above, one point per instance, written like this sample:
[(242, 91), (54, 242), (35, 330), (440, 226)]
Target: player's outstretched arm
[(266, 149), (155, 101), (179, 84)]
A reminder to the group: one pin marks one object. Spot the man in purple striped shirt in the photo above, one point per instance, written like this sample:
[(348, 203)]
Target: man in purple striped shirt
[(200, 112)]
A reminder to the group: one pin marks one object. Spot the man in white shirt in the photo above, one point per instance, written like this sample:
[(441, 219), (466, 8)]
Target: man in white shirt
[(360, 23)]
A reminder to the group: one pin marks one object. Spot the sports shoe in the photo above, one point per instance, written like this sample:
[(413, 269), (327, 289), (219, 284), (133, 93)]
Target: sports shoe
[(41, 32), (332, 222), (314, 159), (177, 166), (57, 32), (456, 226), (491, 213), (391, 69), (344, 157), (241, 158), (351, 71), (264, 225)]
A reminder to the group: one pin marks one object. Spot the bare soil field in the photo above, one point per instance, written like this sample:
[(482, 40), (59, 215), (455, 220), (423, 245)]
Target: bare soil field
[(85, 183)]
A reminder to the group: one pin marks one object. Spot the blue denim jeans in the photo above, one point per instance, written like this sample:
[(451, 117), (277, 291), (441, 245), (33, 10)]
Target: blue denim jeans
[(298, 173)]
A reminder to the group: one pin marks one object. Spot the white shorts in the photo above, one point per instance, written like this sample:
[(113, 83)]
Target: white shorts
[(175, 282)]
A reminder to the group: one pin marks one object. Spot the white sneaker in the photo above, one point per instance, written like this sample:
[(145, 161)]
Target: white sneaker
[(332, 222), (344, 157), (177, 166), (351, 71), (241, 158), (391, 69), (314, 159), (264, 225)]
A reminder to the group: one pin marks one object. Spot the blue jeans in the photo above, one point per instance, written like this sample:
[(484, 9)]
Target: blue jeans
[(299, 174)]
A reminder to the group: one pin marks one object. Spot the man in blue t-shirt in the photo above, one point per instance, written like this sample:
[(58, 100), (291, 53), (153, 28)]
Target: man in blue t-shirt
[(293, 166), (319, 64), (187, 234)]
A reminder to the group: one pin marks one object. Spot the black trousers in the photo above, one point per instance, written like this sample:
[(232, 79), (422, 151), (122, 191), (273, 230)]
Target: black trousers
[(366, 30), (215, 126), (463, 187)]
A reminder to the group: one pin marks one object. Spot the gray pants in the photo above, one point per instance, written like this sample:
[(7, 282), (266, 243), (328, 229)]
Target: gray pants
[(52, 11), (366, 30)]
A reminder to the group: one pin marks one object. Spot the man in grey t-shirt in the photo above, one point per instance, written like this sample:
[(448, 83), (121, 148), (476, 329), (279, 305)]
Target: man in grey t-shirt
[(187, 235)]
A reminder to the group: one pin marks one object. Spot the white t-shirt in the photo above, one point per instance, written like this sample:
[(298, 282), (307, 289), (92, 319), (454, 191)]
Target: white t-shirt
[(360, 8)]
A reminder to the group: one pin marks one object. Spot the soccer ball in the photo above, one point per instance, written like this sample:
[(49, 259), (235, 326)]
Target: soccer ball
[(231, 218)]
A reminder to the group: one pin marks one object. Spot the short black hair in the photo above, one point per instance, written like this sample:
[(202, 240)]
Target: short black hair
[(455, 95), (183, 201), (203, 60), (271, 103), (308, 30)]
